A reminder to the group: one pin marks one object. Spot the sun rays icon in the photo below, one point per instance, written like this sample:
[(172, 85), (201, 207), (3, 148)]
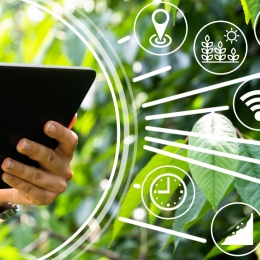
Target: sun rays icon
[(231, 35)]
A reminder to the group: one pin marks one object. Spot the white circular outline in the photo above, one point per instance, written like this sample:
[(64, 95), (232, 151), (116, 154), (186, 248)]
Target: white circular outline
[(160, 46), (234, 108), (195, 54), (160, 54), (175, 176), (193, 186), (212, 222), (108, 187), (256, 21)]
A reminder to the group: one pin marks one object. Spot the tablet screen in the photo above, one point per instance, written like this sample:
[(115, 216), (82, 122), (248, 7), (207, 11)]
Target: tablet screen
[(32, 95)]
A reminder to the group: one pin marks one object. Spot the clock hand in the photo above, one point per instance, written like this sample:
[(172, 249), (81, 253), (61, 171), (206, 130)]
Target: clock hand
[(168, 188)]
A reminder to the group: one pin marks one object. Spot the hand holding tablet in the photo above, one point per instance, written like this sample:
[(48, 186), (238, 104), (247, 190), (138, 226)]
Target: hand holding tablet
[(36, 146), (40, 186)]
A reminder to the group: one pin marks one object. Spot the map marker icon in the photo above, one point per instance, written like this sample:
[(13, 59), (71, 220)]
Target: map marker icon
[(160, 27)]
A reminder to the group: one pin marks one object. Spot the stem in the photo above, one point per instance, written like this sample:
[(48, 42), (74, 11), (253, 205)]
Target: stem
[(239, 133)]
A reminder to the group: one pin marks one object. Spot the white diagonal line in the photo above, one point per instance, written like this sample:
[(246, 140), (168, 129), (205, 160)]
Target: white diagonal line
[(187, 113), (206, 136), (123, 40), (151, 74), (202, 164), (203, 150), (164, 230), (201, 90)]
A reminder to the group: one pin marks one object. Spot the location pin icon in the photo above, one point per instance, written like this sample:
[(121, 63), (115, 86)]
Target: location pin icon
[(160, 27)]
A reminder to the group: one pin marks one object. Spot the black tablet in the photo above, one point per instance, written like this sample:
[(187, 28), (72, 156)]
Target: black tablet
[(32, 95)]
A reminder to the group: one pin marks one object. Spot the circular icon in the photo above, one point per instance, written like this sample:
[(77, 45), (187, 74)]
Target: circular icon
[(235, 235), (158, 191), (246, 104), (165, 191), (164, 38), (220, 47)]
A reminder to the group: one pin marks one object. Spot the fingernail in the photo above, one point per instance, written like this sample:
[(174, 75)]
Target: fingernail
[(25, 145), (10, 164), (51, 128), (7, 176)]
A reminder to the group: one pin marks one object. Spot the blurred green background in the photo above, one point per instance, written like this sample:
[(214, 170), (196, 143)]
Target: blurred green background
[(30, 35)]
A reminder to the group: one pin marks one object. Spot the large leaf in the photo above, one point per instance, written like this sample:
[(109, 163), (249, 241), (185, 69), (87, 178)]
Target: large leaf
[(133, 197), (213, 184), (251, 9), (249, 191)]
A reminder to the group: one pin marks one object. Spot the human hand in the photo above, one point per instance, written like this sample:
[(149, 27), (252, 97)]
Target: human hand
[(40, 186)]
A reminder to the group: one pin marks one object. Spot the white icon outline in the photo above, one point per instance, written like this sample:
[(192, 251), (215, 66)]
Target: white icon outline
[(200, 63), (160, 30), (161, 54), (172, 167), (212, 224), (234, 107), (168, 191)]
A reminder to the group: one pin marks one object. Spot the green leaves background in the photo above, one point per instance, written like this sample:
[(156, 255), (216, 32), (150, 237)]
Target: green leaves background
[(47, 41)]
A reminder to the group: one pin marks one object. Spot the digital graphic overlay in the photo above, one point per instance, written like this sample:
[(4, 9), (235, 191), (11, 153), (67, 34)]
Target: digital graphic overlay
[(246, 103), (166, 191), (160, 39), (238, 231), (213, 55), (101, 51), (163, 41), (254, 78)]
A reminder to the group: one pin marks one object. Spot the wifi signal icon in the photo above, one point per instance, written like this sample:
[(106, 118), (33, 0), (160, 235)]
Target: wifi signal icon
[(253, 102)]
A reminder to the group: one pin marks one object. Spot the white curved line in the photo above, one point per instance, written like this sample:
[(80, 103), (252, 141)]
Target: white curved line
[(252, 101), (256, 20), (256, 107), (250, 94)]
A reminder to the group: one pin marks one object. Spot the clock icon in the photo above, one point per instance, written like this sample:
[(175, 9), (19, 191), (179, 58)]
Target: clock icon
[(162, 186), (168, 192)]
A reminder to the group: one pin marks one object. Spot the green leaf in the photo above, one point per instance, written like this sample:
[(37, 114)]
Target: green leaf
[(170, 8), (212, 183), (254, 8), (249, 191), (133, 198), (251, 9), (246, 10)]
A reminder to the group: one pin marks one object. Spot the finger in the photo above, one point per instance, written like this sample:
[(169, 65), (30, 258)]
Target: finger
[(46, 157), (34, 175), (67, 139), (25, 193)]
